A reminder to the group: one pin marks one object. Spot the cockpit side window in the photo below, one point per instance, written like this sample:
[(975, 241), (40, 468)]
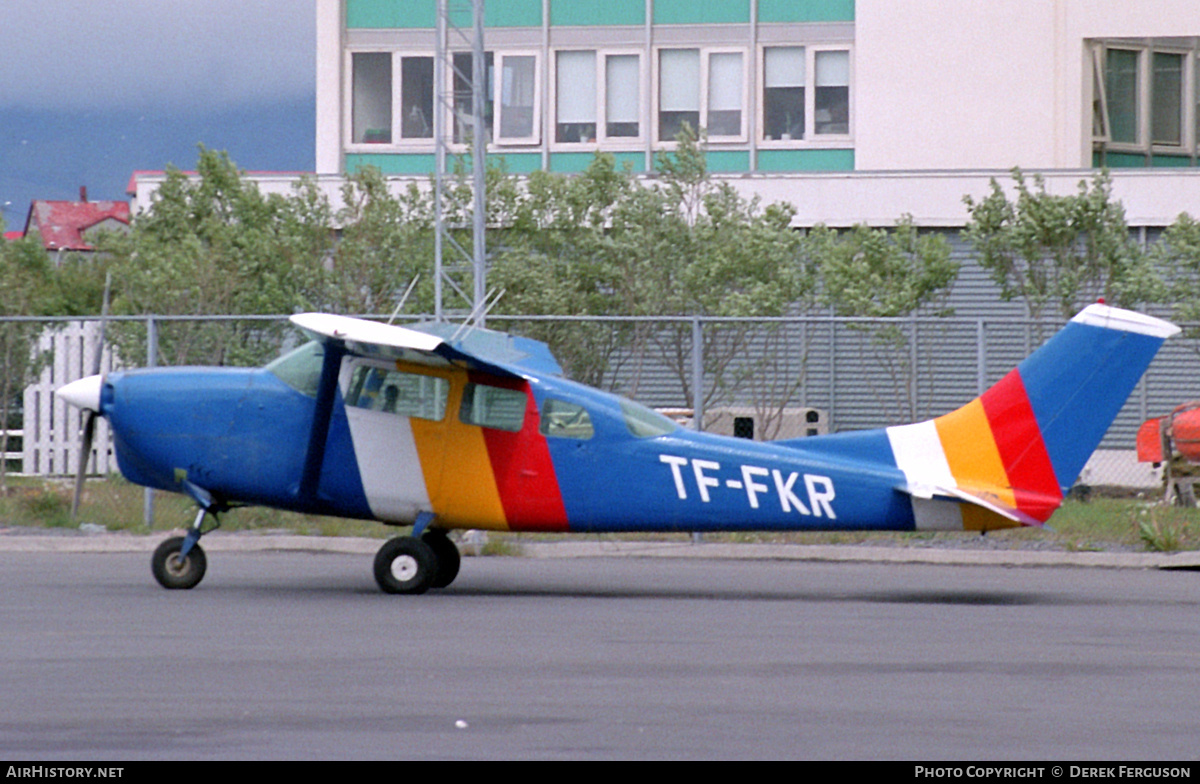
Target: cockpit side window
[(301, 369), (561, 419), (396, 392)]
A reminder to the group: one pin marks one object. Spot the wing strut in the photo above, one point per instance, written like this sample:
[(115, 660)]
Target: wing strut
[(331, 365)]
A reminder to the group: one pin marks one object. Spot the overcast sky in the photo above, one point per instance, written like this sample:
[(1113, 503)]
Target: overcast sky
[(133, 53), (92, 89)]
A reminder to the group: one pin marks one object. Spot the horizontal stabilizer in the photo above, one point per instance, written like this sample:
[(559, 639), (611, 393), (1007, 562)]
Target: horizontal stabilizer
[(979, 498)]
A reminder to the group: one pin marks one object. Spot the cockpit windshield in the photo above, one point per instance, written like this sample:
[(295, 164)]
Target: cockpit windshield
[(301, 369)]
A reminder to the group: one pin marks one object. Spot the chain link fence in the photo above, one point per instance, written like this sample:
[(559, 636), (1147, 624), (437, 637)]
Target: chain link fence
[(760, 378)]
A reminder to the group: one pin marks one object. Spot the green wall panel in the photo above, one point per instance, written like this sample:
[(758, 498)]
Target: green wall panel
[(590, 12), (392, 163), (1171, 161), (805, 160), (575, 162), (693, 12), (373, 14), (806, 10), (500, 13), (1121, 160), (518, 162), (370, 14), (423, 163)]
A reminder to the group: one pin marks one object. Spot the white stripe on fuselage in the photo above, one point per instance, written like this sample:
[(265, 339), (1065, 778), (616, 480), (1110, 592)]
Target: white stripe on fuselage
[(919, 454), (389, 465)]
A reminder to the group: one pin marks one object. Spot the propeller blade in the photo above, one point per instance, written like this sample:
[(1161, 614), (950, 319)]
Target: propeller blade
[(85, 454), (103, 324), (89, 421)]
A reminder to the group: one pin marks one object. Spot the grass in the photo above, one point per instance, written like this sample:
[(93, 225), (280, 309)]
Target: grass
[(1098, 524)]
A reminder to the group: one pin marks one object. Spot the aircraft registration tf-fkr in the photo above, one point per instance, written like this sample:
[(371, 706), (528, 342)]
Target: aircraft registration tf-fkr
[(412, 426)]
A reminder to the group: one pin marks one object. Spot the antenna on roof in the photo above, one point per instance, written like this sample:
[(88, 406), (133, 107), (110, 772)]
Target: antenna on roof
[(478, 313), (412, 285)]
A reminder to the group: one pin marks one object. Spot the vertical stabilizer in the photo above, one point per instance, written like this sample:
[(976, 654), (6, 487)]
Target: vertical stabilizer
[(1016, 449)]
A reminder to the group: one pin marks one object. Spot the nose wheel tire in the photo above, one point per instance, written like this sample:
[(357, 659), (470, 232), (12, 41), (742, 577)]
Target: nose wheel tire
[(405, 565), (175, 572)]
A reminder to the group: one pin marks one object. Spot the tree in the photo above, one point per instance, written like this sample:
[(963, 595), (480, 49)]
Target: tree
[(1057, 251), (607, 243), (386, 243), (28, 290), (554, 258), (876, 273), (216, 245), (1176, 261)]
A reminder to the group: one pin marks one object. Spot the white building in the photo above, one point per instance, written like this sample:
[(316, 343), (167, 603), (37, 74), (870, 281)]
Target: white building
[(852, 110)]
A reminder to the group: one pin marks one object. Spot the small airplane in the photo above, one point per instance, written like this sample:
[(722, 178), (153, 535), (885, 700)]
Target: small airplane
[(420, 426)]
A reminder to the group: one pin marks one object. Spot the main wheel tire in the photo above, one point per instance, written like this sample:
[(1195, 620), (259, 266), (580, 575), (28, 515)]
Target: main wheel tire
[(448, 557), (405, 565), (174, 572)]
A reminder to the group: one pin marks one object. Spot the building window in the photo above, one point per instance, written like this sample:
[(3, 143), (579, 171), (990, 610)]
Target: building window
[(416, 98), (575, 94), (381, 81), (805, 94), (518, 98), (1122, 81), (580, 100), (463, 62), (622, 96), (371, 75), (725, 81), (783, 93), (1145, 99), (831, 114), (514, 117), (678, 91), (1166, 99), (705, 89)]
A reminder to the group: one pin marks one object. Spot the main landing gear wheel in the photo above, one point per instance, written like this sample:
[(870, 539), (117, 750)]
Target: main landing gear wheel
[(448, 558), (175, 572), (405, 565)]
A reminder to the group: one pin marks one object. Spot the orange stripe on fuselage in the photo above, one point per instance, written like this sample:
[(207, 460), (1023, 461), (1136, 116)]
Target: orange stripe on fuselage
[(458, 472), (972, 454)]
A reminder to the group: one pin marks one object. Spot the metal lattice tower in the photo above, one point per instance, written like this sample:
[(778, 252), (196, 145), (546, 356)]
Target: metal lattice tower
[(464, 272)]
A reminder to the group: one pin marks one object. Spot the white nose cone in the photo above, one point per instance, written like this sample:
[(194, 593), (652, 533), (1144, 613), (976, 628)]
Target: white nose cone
[(84, 393)]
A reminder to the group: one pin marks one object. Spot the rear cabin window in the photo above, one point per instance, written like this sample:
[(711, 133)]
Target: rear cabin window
[(565, 420), (645, 423), (399, 393), (494, 407)]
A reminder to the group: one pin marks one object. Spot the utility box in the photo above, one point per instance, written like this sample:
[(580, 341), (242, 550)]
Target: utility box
[(749, 422)]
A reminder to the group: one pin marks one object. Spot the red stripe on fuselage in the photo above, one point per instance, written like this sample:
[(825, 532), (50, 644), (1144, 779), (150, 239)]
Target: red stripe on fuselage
[(1019, 440), (524, 473)]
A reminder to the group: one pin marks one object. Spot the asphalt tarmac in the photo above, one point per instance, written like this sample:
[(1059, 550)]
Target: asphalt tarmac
[(292, 653)]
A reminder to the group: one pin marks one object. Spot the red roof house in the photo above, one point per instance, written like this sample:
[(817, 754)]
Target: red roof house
[(72, 225)]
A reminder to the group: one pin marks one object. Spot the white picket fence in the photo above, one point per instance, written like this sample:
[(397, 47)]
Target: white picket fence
[(52, 431)]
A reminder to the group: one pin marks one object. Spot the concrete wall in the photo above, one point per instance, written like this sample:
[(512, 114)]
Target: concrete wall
[(951, 85)]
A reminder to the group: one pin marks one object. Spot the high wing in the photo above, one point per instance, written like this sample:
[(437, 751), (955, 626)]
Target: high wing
[(386, 341)]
